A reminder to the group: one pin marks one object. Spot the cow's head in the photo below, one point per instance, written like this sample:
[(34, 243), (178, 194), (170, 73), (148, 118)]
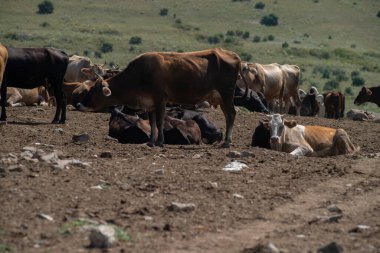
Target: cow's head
[(363, 96), (93, 71), (94, 96), (276, 125)]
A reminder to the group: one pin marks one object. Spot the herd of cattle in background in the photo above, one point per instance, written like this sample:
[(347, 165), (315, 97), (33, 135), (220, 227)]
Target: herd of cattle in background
[(148, 98)]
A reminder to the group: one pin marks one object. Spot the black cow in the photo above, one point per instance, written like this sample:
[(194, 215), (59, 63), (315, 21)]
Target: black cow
[(252, 101), (133, 129), (261, 137), (29, 68), (371, 94), (309, 106)]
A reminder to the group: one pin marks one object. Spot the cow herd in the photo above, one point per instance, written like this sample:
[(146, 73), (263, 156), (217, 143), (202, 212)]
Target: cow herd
[(148, 97)]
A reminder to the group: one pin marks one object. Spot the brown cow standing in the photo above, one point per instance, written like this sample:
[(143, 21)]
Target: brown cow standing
[(334, 104), (371, 94), (152, 80), (3, 61)]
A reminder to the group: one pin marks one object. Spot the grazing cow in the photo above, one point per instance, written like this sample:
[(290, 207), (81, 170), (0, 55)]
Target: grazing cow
[(288, 136), (80, 69), (133, 129), (28, 68), (252, 101), (3, 62), (209, 132), (334, 104), (22, 97), (152, 80), (371, 94), (261, 137), (276, 82)]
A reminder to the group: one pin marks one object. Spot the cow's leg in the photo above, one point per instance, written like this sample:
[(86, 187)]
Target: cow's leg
[(3, 95), (229, 111), (14, 98), (61, 103), (160, 115), (153, 129), (300, 151)]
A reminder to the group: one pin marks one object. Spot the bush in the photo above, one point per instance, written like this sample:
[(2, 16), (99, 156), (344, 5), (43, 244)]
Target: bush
[(331, 85), (245, 56), (269, 20), (230, 33), (348, 91), (164, 12), (245, 35), (378, 14), (98, 54), (135, 40), (44, 24), (256, 38), (259, 5), (106, 47), (215, 39), (46, 7), (358, 81), (355, 73), (270, 37), (178, 21), (285, 45)]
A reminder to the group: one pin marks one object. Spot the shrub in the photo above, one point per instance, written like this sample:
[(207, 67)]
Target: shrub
[(355, 73), (358, 81), (245, 35), (98, 54), (86, 52), (259, 5), (135, 40), (256, 38), (106, 47), (378, 14), (178, 21), (230, 33), (44, 24), (326, 74), (245, 56), (348, 91), (285, 45), (46, 7), (269, 20), (215, 39), (164, 12), (270, 37), (331, 85)]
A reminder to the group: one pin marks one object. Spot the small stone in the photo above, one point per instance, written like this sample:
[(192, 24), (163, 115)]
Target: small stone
[(45, 216), (333, 218), (81, 137), (159, 172), (197, 156), (16, 168), (334, 208), (213, 184), (238, 196), (234, 154), (102, 236), (331, 248), (181, 207), (359, 229), (58, 130), (262, 248), (105, 154), (247, 154)]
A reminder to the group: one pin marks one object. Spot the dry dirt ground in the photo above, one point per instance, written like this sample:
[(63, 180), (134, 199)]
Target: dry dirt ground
[(278, 199)]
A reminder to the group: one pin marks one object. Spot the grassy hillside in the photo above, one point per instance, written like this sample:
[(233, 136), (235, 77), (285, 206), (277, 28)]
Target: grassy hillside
[(326, 38)]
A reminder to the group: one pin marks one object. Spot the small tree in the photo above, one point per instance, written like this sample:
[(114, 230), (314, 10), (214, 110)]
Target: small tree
[(285, 45), (269, 20), (46, 7), (164, 12), (331, 85), (259, 5), (106, 47), (358, 81), (270, 37), (135, 40), (256, 38), (378, 14)]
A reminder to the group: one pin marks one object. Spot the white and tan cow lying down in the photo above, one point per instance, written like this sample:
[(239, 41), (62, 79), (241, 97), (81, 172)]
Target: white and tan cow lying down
[(27, 97), (288, 136)]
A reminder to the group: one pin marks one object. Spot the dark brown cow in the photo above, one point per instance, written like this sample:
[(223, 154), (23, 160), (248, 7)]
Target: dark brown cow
[(152, 80), (371, 94), (334, 104), (28, 68)]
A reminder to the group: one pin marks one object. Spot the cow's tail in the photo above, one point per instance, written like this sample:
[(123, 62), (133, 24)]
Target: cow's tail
[(240, 72)]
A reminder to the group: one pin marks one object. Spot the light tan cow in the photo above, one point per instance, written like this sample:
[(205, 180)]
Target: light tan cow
[(27, 97), (299, 140), (3, 61), (276, 82), (80, 69)]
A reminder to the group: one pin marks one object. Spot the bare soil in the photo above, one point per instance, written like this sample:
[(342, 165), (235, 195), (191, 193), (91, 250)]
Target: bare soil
[(278, 199)]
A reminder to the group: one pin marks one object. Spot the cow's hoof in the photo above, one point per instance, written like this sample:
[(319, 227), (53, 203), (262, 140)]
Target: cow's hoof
[(150, 144), (3, 122), (161, 145), (225, 145)]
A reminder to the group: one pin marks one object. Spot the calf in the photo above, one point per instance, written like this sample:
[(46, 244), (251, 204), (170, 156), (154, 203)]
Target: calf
[(22, 97), (152, 80), (28, 68), (334, 104), (288, 136), (371, 94), (252, 101)]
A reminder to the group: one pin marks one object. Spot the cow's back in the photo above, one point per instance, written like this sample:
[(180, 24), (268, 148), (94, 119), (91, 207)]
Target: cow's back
[(73, 72), (274, 80)]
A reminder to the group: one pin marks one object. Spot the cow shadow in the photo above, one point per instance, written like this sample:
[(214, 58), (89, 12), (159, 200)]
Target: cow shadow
[(24, 123)]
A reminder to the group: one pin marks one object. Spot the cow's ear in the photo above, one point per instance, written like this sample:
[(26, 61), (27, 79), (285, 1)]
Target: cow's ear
[(106, 91), (290, 123), (86, 71), (369, 92), (265, 123)]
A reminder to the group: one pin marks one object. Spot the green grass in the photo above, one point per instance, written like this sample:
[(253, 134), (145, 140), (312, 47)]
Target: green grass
[(343, 34)]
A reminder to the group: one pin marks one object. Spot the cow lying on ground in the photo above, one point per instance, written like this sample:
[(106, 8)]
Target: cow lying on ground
[(133, 129), (152, 80), (27, 97), (253, 101), (28, 68), (371, 94), (334, 104), (288, 136)]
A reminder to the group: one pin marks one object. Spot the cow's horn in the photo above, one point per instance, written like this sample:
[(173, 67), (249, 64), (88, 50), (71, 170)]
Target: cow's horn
[(99, 76)]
